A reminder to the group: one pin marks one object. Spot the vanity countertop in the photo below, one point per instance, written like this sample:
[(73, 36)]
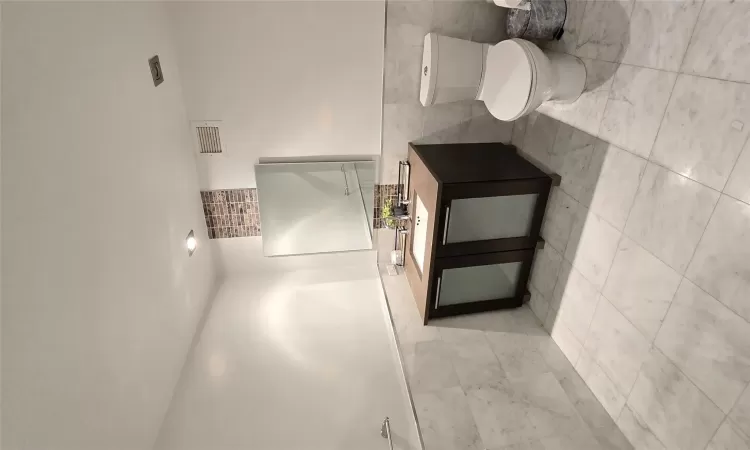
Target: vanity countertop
[(468, 163)]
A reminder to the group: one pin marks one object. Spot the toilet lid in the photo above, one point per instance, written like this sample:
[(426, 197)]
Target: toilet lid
[(508, 79)]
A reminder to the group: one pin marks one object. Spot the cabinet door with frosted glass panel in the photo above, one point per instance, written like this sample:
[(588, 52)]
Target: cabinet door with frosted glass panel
[(483, 282), (491, 216)]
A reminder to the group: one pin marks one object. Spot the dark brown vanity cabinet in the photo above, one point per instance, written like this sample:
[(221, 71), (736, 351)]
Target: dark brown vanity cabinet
[(476, 212)]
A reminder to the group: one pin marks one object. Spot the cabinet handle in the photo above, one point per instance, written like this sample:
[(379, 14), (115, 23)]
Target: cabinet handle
[(445, 228), (437, 294), (385, 432)]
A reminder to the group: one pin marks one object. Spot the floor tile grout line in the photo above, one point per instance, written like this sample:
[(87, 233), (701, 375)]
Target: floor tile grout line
[(637, 416), (652, 344), (729, 308), (690, 39), (700, 239), (638, 375), (606, 103), (649, 251), (659, 164), (622, 234), (733, 423), (531, 284), (671, 92), (649, 160), (677, 72), (634, 199), (602, 296), (663, 117), (594, 359), (674, 363), (600, 292), (455, 372), (689, 379), (734, 167), (736, 402), (492, 349), (656, 135), (716, 431)]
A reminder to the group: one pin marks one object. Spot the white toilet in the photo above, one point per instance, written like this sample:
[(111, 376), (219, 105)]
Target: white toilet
[(513, 77)]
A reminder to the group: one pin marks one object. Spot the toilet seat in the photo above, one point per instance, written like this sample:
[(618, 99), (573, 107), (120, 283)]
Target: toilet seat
[(509, 84), (512, 78), (547, 82), (535, 77)]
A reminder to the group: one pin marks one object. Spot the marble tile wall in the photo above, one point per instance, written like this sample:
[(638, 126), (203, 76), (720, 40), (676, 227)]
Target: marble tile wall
[(404, 118), (645, 281)]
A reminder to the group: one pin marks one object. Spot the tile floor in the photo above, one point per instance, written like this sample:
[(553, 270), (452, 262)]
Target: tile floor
[(644, 285), (495, 381)]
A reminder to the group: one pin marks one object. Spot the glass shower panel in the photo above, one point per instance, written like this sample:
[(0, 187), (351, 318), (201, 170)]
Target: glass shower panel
[(315, 207)]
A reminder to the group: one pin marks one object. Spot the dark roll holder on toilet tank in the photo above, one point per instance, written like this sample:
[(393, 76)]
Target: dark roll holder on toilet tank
[(543, 21)]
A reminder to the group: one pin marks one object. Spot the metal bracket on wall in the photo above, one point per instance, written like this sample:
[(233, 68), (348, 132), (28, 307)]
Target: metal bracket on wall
[(156, 74), (385, 432)]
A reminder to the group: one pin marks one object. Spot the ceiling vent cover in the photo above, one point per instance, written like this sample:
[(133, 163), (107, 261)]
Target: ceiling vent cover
[(208, 137)]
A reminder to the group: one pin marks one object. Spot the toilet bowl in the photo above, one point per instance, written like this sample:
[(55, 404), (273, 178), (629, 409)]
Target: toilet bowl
[(512, 78)]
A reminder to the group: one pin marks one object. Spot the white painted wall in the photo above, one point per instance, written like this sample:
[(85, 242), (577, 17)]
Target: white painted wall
[(288, 79), (244, 256), (99, 190), (1, 371), (300, 359)]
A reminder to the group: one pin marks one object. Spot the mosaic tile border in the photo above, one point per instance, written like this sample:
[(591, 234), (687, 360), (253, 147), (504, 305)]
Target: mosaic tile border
[(231, 213), (235, 213)]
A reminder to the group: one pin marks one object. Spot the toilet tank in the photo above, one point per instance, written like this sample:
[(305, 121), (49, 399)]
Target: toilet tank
[(451, 69)]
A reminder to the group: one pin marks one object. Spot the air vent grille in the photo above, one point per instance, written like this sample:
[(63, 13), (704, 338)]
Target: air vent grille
[(209, 140)]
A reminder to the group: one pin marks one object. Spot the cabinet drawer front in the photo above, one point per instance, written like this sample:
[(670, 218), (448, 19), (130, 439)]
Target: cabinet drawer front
[(481, 282), (478, 283), (486, 218)]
